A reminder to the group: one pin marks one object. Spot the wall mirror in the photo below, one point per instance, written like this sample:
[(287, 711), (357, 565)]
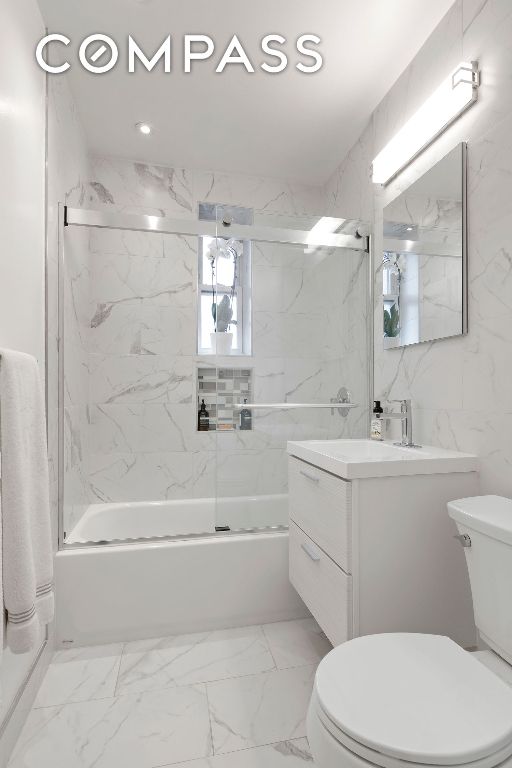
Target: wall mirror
[(425, 256)]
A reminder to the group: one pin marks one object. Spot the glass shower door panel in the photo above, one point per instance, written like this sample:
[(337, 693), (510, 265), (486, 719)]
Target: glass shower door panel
[(135, 463), (309, 333)]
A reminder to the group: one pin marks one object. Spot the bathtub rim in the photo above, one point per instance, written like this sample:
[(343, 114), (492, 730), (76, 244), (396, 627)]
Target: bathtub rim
[(169, 539)]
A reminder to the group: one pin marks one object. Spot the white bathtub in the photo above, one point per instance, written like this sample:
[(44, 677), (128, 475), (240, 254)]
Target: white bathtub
[(153, 588), (158, 519)]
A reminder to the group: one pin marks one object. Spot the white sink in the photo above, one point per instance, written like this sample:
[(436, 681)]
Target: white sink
[(353, 459)]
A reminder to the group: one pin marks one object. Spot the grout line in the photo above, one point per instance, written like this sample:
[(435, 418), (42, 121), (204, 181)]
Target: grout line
[(123, 645), (210, 718), (245, 749), (119, 669), (198, 760), (269, 646), (62, 704)]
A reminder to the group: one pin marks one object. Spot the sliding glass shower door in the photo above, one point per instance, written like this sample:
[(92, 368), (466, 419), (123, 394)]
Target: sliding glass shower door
[(292, 307), (191, 351)]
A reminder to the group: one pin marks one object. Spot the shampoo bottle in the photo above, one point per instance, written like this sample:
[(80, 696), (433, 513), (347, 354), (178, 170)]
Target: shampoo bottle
[(245, 417), (376, 432)]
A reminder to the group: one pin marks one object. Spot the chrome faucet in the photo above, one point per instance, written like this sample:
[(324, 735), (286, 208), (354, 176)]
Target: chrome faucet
[(405, 417)]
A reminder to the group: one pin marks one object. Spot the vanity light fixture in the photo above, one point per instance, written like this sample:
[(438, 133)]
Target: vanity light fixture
[(456, 94), (144, 128)]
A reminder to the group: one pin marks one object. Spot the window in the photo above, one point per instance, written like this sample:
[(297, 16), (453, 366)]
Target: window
[(224, 293)]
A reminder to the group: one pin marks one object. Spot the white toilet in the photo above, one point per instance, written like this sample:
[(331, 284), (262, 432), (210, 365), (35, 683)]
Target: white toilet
[(395, 700)]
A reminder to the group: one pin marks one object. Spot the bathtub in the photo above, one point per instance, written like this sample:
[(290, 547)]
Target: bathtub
[(157, 519), (153, 585)]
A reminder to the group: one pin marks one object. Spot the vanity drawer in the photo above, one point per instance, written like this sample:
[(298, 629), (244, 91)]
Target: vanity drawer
[(325, 588), (320, 504)]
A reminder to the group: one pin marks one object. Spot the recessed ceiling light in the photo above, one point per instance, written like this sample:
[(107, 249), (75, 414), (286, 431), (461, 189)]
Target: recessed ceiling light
[(144, 128)]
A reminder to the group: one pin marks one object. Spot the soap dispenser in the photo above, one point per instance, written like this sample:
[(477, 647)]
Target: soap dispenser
[(203, 419), (376, 432)]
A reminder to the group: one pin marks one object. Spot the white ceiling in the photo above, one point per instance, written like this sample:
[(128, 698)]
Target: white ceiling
[(291, 126)]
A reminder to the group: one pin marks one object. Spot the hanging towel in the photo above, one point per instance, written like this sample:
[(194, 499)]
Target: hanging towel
[(27, 557)]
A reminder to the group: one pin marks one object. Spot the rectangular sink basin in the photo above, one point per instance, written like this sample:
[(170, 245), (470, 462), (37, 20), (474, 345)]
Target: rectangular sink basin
[(354, 459)]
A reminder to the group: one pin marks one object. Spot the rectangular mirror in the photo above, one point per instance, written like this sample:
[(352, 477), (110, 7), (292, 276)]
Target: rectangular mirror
[(425, 256)]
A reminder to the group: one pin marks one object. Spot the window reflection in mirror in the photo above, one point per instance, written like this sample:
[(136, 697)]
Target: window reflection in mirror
[(424, 270)]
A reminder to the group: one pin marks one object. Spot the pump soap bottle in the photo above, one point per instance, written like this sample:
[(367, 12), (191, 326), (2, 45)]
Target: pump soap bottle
[(376, 432), (203, 419)]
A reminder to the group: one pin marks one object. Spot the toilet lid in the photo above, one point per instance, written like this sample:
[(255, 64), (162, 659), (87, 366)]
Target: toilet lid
[(419, 698)]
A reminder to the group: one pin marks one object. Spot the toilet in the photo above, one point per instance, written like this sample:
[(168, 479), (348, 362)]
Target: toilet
[(394, 700)]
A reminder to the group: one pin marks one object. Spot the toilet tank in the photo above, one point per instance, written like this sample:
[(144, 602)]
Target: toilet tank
[(487, 521)]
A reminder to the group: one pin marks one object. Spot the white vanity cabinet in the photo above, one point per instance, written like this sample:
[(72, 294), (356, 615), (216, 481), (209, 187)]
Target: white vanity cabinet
[(378, 554)]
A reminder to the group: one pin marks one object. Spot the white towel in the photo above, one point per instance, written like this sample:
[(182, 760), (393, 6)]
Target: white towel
[(27, 567)]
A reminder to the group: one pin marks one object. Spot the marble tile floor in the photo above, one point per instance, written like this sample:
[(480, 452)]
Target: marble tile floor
[(233, 698)]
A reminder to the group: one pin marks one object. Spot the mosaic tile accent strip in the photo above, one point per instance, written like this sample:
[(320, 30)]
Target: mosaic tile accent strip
[(222, 389)]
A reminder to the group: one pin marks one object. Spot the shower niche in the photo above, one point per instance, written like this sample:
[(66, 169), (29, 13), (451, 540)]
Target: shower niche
[(224, 391)]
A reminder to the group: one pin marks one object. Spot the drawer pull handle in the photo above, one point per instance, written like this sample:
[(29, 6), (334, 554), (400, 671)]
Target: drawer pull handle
[(311, 552), (310, 477)]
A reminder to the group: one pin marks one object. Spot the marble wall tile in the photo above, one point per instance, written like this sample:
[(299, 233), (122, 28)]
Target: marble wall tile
[(268, 379), (490, 236), (152, 476), (169, 331), (429, 373), (125, 242), (147, 428), (76, 496), (484, 433), (117, 327), (262, 194), (141, 379), (311, 424), (487, 40), (349, 191), (140, 328), (168, 278), (280, 334), (470, 10), (124, 186), (245, 472), (487, 366)]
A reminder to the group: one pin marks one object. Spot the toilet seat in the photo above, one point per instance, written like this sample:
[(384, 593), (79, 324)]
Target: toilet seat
[(374, 758), (418, 700)]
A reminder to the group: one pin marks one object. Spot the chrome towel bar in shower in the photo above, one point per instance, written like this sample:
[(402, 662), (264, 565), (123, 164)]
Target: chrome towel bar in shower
[(295, 405)]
